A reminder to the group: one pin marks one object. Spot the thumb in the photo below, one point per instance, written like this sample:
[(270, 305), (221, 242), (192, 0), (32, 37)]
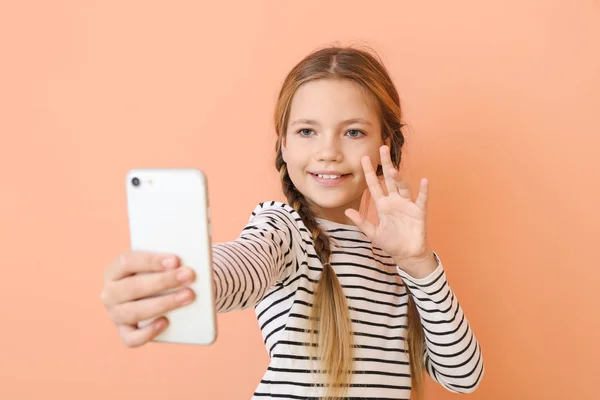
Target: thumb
[(364, 225)]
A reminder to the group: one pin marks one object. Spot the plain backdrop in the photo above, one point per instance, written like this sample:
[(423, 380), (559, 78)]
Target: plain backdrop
[(501, 101)]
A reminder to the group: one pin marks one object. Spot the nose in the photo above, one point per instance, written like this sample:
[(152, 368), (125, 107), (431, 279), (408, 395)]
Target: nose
[(329, 149)]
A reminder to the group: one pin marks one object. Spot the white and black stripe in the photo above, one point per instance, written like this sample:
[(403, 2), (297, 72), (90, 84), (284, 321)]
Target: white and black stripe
[(273, 267)]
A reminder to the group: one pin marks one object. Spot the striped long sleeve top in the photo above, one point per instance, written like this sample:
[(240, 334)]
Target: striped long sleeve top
[(273, 267)]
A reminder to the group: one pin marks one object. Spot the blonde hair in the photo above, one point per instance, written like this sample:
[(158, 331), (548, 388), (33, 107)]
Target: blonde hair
[(330, 315)]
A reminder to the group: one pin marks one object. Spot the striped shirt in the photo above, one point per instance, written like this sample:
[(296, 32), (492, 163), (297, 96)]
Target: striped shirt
[(273, 267)]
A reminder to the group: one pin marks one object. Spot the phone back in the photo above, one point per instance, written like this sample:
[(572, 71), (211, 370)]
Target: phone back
[(168, 212)]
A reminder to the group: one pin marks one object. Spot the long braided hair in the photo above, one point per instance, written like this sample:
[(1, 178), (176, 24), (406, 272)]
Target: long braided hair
[(332, 340)]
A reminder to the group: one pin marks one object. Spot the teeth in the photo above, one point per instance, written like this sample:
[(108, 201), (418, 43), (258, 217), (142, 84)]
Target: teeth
[(324, 176)]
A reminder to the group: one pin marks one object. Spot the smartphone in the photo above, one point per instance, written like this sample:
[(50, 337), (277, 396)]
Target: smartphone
[(168, 212)]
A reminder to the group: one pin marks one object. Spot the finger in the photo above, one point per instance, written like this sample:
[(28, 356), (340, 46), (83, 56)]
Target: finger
[(146, 285), (371, 178), (404, 188), (139, 261), (364, 225), (423, 196), (135, 337), (389, 171), (132, 312)]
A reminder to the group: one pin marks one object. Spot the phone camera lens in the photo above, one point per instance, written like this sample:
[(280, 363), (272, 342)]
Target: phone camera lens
[(135, 182)]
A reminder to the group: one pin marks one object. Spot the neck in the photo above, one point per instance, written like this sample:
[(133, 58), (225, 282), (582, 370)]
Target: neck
[(337, 214)]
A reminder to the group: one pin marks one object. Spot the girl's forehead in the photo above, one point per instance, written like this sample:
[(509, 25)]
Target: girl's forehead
[(329, 98)]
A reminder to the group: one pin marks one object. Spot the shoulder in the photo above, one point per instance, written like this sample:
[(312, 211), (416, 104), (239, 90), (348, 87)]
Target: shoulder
[(277, 215), (280, 218), (274, 208), (275, 212)]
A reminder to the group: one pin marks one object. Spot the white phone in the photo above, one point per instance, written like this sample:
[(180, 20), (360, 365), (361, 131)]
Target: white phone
[(168, 212)]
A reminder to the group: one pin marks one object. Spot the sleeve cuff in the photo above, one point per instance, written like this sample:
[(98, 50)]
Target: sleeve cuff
[(426, 281)]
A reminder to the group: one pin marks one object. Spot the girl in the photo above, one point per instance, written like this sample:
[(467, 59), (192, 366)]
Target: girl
[(347, 309)]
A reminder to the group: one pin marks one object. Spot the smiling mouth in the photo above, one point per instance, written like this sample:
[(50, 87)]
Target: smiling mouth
[(330, 179), (328, 176)]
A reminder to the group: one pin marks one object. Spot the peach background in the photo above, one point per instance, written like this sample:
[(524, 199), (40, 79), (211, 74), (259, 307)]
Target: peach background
[(500, 100)]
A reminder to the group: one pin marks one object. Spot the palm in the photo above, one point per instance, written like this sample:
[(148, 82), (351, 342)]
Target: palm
[(401, 227)]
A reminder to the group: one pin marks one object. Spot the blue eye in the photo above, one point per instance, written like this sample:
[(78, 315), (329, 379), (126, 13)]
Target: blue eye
[(305, 132), (355, 133)]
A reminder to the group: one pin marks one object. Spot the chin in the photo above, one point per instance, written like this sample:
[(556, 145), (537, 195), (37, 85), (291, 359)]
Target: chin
[(331, 201), (330, 198)]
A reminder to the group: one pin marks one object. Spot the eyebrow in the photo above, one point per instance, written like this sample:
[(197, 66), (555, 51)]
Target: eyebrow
[(346, 122)]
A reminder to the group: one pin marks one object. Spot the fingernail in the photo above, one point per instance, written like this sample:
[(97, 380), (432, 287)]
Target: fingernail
[(183, 297), (169, 262), (184, 275)]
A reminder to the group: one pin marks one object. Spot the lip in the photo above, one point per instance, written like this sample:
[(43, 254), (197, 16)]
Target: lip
[(330, 172), (329, 182)]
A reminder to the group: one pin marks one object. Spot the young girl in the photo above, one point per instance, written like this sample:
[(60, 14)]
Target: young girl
[(346, 308)]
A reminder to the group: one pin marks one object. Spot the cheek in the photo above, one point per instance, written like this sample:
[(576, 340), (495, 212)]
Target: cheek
[(375, 159), (373, 155), (292, 160), (295, 166), (295, 156)]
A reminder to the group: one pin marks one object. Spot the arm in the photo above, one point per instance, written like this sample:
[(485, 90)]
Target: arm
[(453, 357), (246, 268)]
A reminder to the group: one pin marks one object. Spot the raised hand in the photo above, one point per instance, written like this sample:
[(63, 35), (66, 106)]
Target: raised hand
[(401, 229)]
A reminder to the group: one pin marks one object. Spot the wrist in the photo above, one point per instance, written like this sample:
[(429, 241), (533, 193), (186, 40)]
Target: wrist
[(419, 267)]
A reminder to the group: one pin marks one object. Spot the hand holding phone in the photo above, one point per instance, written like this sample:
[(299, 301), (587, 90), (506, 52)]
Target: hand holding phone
[(168, 215), (134, 286)]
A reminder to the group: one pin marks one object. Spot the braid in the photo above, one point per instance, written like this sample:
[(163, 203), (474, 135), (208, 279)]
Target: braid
[(330, 315)]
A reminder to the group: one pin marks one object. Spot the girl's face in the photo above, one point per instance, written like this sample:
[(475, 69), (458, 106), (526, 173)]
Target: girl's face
[(332, 124)]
